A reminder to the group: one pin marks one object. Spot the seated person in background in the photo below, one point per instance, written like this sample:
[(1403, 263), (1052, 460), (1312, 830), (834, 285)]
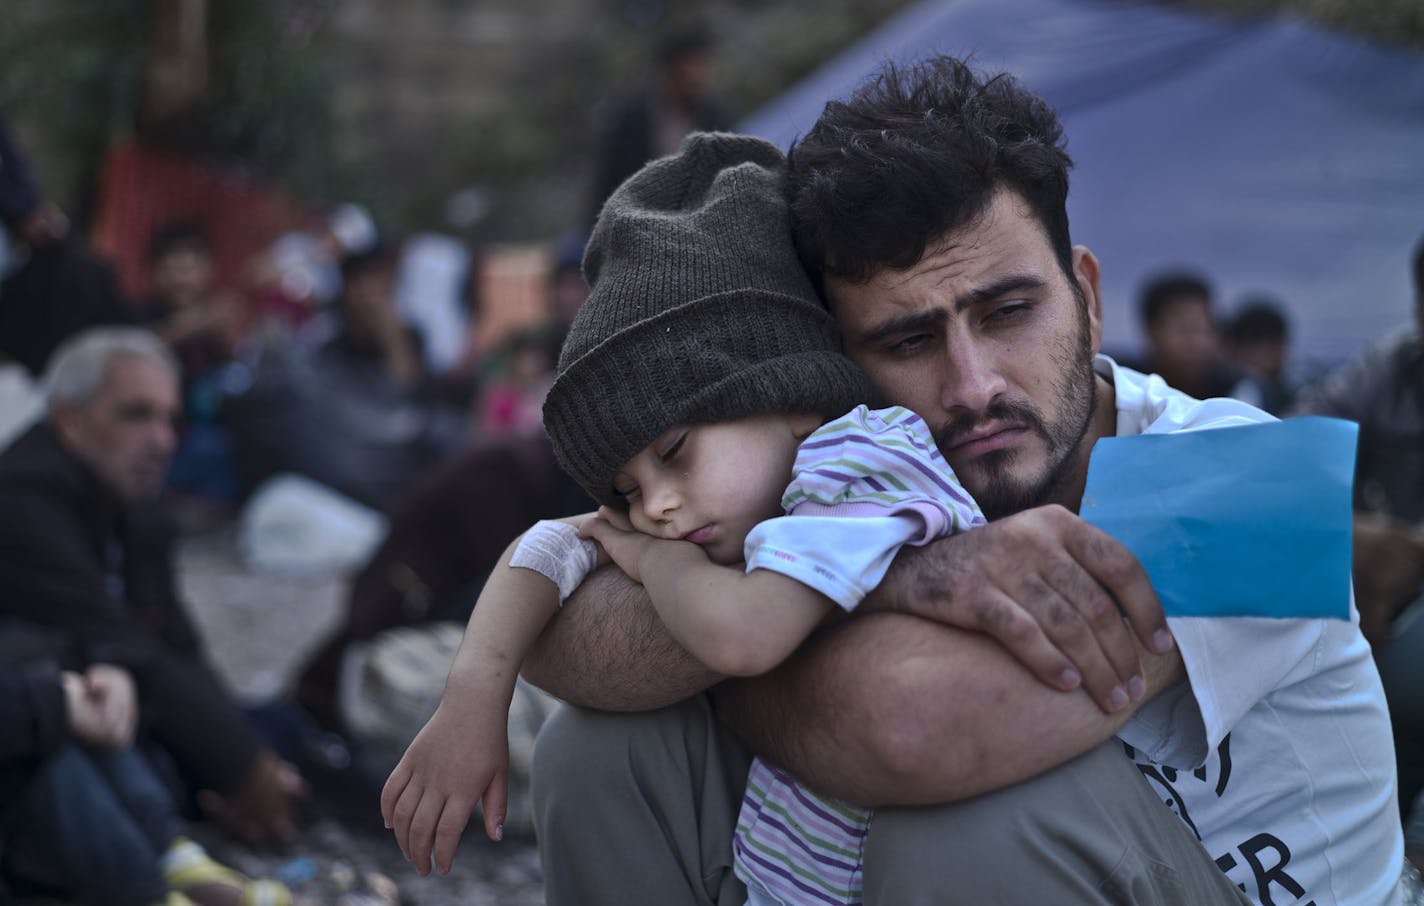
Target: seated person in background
[(1383, 390), (200, 322), (203, 325), (1258, 340), (512, 401), (299, 274), (82, 811), (369, 335), (85, 550), (353, 411), (1182, 341)]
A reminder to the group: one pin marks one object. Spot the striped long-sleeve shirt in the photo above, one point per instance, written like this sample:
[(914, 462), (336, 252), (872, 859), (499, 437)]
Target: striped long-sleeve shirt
[(863, 485)]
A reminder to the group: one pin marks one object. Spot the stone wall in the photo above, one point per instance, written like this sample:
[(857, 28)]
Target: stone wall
[(504, 100)]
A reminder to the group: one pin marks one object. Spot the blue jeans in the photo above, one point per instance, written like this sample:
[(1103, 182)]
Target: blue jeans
[(95, 824)]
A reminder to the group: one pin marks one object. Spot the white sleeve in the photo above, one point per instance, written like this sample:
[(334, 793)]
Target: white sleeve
[(842, 558)]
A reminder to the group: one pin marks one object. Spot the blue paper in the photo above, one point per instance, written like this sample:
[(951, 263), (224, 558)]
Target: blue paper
[(1234, 522)]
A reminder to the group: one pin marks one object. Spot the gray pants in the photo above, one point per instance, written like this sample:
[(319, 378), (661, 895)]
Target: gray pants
[(639, 809)]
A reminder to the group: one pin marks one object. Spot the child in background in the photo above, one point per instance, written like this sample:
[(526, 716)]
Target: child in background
[(692, 388)]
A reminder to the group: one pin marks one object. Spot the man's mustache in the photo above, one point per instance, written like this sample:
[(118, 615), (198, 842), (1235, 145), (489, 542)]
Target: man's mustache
[(1001, 414)]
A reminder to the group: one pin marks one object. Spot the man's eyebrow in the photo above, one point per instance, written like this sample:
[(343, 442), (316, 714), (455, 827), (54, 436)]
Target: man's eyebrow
[(912, 322), (1003, 286)]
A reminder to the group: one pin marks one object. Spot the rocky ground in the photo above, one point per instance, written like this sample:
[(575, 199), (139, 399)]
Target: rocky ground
[(258, 629)]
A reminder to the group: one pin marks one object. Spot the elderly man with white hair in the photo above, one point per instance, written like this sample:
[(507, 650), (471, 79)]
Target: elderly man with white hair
[(85, 549)]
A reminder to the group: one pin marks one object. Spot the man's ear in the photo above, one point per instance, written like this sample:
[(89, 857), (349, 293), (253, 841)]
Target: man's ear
[(65, 417), (1087, 275)]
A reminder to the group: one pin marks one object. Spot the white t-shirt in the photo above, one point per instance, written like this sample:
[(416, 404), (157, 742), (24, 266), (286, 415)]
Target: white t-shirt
[(1278, 752)]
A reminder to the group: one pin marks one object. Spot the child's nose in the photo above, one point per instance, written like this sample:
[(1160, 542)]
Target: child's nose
[(660, 502)]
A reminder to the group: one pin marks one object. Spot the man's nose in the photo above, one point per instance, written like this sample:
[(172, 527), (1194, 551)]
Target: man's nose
[(163, 436), (971, 377)]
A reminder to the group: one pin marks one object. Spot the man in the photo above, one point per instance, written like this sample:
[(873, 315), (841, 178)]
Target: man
[(201, 322), (932, 205), (84, 549), (51, 285), (1259, 340), (1383, 390), (653, 121), (1182, 341)]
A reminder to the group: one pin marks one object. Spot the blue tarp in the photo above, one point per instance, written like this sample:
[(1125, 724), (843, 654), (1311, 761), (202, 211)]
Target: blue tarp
[(1271, 154)]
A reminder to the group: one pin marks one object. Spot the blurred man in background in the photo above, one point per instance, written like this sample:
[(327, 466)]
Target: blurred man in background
[(1182, 342), (653, 121), (84, 549)]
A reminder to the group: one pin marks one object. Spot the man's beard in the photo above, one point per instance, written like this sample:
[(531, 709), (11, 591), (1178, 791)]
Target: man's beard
[(989, 478)]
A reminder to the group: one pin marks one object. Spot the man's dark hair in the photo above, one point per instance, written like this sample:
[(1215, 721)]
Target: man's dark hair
[(379, 257), (1165, 289), (172, 237), (1259, 320), (917, 153)]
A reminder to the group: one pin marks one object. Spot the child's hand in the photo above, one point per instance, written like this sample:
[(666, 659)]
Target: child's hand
[(624, 544), (460, 757)]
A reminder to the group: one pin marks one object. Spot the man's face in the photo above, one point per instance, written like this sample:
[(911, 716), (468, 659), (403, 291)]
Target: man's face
[(989, 342), (183, 276), (688, 79), (368, 302), (126, 432), (1184, 340)]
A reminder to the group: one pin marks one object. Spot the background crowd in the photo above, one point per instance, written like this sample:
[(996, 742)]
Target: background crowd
[(377, 398)]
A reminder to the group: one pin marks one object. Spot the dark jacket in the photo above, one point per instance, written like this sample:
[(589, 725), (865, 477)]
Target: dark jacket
[(73, 557), (33, 723), (1383, 390)]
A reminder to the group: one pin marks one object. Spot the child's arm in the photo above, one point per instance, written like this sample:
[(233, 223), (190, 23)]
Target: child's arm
[(737, 623), (461, 755)]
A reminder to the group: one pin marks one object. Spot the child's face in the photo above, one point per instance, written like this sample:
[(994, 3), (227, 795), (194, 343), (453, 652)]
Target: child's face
[(711, 483)]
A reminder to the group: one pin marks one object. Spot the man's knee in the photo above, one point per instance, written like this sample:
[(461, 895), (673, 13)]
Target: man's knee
[(580, 753), (659, 790), (1090, 829)]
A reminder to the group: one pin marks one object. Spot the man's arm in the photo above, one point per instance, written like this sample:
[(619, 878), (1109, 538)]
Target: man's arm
[(607, 649), (1061, 596), (719, 613), (891, 709), (1045, 584)]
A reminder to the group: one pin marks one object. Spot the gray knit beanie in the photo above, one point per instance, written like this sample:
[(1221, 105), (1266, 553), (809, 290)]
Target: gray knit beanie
[(699, 311)]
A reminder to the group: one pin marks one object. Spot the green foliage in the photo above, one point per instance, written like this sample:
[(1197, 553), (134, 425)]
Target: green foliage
[(74, 67), (76, 74)]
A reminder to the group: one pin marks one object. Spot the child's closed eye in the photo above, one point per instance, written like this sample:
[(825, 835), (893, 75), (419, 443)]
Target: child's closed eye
[(670, 452)]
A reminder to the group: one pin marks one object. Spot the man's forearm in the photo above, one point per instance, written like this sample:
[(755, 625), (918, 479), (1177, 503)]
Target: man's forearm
[(889, 709), (607, 649)]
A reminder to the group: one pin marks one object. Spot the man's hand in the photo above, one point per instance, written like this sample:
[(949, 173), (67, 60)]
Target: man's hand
[(460, 757), (263, 809), (103, 708), (1061, 596), (112, 690), (1389, 570), (625, 545)]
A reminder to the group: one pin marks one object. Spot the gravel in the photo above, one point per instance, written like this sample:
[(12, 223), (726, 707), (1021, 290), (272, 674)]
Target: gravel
[(258, 629)]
